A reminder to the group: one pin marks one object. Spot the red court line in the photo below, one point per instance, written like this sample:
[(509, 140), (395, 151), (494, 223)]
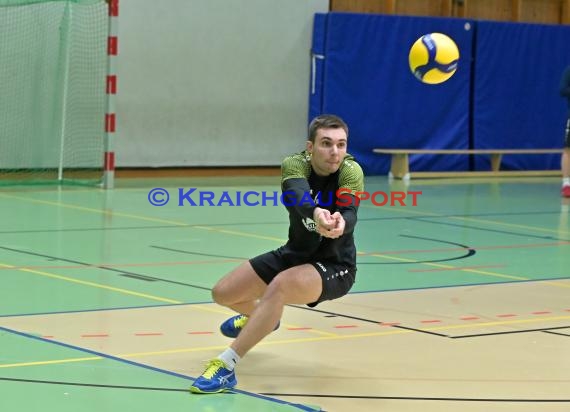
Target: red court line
[(345, 326), (544, 312), (506, 315), (431, 321), (469, 318), (389, 323), (456, 268), (299, 328), (200, 333)]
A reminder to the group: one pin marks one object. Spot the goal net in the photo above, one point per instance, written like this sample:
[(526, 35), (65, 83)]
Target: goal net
[(53, 99)]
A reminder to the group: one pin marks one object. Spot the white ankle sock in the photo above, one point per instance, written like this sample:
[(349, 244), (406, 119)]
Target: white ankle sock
[(566, 181), (230, 358)]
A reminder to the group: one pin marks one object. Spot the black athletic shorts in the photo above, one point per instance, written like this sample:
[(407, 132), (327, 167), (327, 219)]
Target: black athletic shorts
[(567, 133), (337, 278)]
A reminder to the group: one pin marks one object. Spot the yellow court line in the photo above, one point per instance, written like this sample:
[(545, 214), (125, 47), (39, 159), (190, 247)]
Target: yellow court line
[(476, 271), (143, 218), (514, 225), (545, 282), (498, 323), (141, 295), (350, 336), (238, 233), (442, 266), (476, 220), (296, 340), (246, 234), (50, 362), (93, 284), (178, 223)]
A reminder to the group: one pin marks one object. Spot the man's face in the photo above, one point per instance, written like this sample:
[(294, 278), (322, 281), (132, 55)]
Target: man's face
[(328, 151)]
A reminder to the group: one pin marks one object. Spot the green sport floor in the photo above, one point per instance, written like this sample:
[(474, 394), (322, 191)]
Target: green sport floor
[(105, 299)]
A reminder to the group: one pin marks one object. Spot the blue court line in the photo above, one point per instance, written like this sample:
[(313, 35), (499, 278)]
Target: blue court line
[(152, 368)]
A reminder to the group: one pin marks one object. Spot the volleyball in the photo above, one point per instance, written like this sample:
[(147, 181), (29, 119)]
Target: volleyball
[(433, 58)]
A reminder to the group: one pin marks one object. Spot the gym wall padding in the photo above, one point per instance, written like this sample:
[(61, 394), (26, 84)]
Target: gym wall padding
[(367, 81), (516, 96), (503, 95)]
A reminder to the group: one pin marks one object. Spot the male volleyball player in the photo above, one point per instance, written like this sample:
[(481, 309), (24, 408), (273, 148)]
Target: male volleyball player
[(565, 92), (317, 263)]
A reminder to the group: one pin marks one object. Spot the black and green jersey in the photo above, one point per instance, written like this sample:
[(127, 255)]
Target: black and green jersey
[(303, 190)]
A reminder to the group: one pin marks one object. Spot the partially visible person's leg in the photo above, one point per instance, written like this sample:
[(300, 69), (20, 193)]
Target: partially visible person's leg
[(240, 289), (297, 285), (565, 163), (303, 284)]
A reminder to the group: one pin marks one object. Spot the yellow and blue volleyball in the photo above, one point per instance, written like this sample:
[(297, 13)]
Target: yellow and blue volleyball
[(433, 58)]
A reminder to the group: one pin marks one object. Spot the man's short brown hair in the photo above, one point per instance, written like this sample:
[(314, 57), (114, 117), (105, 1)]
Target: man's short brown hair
[(326, 121)]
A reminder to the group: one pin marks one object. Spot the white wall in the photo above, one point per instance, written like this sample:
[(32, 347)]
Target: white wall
[(213, 82)]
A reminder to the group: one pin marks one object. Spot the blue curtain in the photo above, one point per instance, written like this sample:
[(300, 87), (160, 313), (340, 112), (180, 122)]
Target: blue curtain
[(516, 91), (367, 81), (503, 95)]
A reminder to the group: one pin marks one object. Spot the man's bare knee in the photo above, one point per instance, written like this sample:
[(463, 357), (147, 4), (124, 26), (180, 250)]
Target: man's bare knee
[(276, 290), (220, 295)]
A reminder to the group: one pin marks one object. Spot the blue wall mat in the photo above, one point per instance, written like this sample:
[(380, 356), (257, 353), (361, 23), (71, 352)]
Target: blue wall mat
[(367, 81), (516, 99)]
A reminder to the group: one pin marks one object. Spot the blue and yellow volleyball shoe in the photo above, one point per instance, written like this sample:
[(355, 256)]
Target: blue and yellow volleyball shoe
[(233, 326), (216, 378)]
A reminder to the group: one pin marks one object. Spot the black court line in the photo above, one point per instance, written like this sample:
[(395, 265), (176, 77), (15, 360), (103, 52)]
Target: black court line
[(418, 398), (148, 367), (340, 315), (140, 277), (477, 335), (504, 232), (470, 251), (556, 333), (91, 385), (110, 269), (309, 395), (189, 252), (428, 332)]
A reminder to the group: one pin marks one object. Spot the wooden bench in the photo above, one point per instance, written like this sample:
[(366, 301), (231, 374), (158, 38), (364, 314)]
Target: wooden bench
[(400, 166)]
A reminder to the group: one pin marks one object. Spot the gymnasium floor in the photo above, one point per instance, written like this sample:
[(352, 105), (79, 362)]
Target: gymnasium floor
[(461, 302)]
